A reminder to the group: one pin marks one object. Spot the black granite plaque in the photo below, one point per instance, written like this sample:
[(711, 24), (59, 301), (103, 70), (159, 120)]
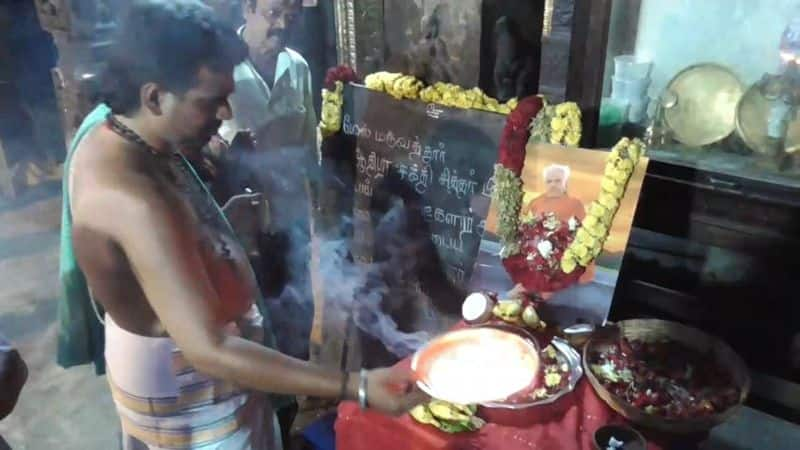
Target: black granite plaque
[(436, 162)]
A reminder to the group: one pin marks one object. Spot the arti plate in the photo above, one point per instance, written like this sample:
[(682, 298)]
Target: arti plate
[(705, 108), (476, 365)]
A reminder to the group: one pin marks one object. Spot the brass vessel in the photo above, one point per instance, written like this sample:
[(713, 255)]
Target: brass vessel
[(705, 108), (752, 115)]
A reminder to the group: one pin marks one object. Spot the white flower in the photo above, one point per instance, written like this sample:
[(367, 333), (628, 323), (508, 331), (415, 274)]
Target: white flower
[(551, 222), (573, 223), (545, 248), (613, 443)]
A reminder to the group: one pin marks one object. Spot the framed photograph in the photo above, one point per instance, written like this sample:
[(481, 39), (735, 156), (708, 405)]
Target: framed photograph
[(565, 181)]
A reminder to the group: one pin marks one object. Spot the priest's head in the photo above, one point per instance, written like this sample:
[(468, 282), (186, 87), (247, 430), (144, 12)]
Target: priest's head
[(170, 66), (555, 178)]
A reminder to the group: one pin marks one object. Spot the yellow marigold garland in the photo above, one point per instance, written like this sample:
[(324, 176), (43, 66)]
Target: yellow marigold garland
[(332, 101), (402, 86), (596, 226), (408, 87), (508, 196), (558, 124)]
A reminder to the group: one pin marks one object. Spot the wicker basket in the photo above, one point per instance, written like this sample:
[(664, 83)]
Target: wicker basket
[(651, 330)]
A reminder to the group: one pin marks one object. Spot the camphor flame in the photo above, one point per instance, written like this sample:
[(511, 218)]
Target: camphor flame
[(477, 365)]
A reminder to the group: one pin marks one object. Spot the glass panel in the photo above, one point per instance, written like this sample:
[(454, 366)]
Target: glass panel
[(711, 84), (501, 47), (713, 87)]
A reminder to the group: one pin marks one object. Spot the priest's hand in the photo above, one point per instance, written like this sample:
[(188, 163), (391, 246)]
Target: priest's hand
[(248, 215), (392, 391)]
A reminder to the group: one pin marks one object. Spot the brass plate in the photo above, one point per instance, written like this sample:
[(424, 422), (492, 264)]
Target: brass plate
[(751, 123), (705, 111)]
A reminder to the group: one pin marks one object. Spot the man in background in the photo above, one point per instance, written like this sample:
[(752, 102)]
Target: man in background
[(274, 84), (273, 150)]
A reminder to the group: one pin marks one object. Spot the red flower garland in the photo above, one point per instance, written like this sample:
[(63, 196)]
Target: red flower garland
[(536, 273), (515, 134), (340, 73)]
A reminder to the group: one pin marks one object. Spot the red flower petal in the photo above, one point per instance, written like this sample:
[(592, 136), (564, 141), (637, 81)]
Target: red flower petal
[(536, 275), (340, 73)]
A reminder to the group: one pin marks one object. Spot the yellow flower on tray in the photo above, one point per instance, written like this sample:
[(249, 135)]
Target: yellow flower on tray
[(552, 379)]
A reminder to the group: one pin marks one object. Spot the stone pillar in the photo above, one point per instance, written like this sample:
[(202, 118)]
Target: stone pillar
[(81, 30)]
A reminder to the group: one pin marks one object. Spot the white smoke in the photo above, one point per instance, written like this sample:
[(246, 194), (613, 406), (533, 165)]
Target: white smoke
[(368, 294)]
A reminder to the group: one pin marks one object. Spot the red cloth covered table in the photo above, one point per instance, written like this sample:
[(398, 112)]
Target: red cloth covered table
[(571, 426)]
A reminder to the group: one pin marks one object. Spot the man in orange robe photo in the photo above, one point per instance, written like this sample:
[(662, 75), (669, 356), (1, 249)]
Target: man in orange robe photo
[(556, 199)]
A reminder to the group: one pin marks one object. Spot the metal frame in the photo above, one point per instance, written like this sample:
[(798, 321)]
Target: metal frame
[(345, 32), (587, 57)]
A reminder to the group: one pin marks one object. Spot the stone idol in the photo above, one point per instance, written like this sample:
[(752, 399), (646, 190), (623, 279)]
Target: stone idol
[(493, 44)]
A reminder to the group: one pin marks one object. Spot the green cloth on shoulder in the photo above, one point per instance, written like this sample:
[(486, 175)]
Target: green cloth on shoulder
[(81, 339)]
